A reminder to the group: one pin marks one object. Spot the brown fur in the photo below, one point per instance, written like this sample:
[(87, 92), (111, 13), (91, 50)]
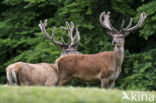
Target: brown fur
[(104, 67), (43, 73), (34, 74)]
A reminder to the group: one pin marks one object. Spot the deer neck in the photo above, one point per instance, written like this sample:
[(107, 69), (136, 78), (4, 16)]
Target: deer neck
[(119, 56)]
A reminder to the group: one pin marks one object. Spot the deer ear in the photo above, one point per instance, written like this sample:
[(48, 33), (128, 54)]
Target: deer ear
[(125, 34), (62, 47), (74, 46), (110, 33)]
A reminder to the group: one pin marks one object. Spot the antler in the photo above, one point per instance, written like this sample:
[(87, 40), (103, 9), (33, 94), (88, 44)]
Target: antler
[(70, 29), (141, 20), (106, 23), (51, 38)]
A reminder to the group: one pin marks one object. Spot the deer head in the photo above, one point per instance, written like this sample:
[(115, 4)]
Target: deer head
[(118, 36), (66, 48)]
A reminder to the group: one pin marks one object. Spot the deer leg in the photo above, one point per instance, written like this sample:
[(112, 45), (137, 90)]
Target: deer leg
[(64, 81), (104, 83), (104, 79), (111, 84), (48, 83), (51, 82)]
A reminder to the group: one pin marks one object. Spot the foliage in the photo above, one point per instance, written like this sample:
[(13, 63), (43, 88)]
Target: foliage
[(22, 40), (139, 71)]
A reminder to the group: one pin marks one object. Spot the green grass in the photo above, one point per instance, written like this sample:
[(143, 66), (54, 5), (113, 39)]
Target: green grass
[(63, 95)]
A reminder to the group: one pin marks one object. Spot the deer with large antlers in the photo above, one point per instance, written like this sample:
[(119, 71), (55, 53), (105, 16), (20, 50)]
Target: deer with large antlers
[(103, 67), (66, 48), (21, 73)]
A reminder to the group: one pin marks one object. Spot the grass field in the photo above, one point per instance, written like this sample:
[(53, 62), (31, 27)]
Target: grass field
[(64, 95)]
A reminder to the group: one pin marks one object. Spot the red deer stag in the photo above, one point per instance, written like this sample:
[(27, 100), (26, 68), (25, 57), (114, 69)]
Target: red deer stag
[(21, 73), (103, 67)]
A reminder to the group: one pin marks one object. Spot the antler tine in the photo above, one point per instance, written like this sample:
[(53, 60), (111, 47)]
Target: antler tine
[(62, 38), (51, 38), (45, 22), (63, 41), (63, 28), (141, 20), (70, 29), (122, 25), (71, 34), (130, 23), (42, 27), (102, 15), (78, 37), (106, 22)]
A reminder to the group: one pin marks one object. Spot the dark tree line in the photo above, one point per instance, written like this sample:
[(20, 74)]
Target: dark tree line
[(21, 38)]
